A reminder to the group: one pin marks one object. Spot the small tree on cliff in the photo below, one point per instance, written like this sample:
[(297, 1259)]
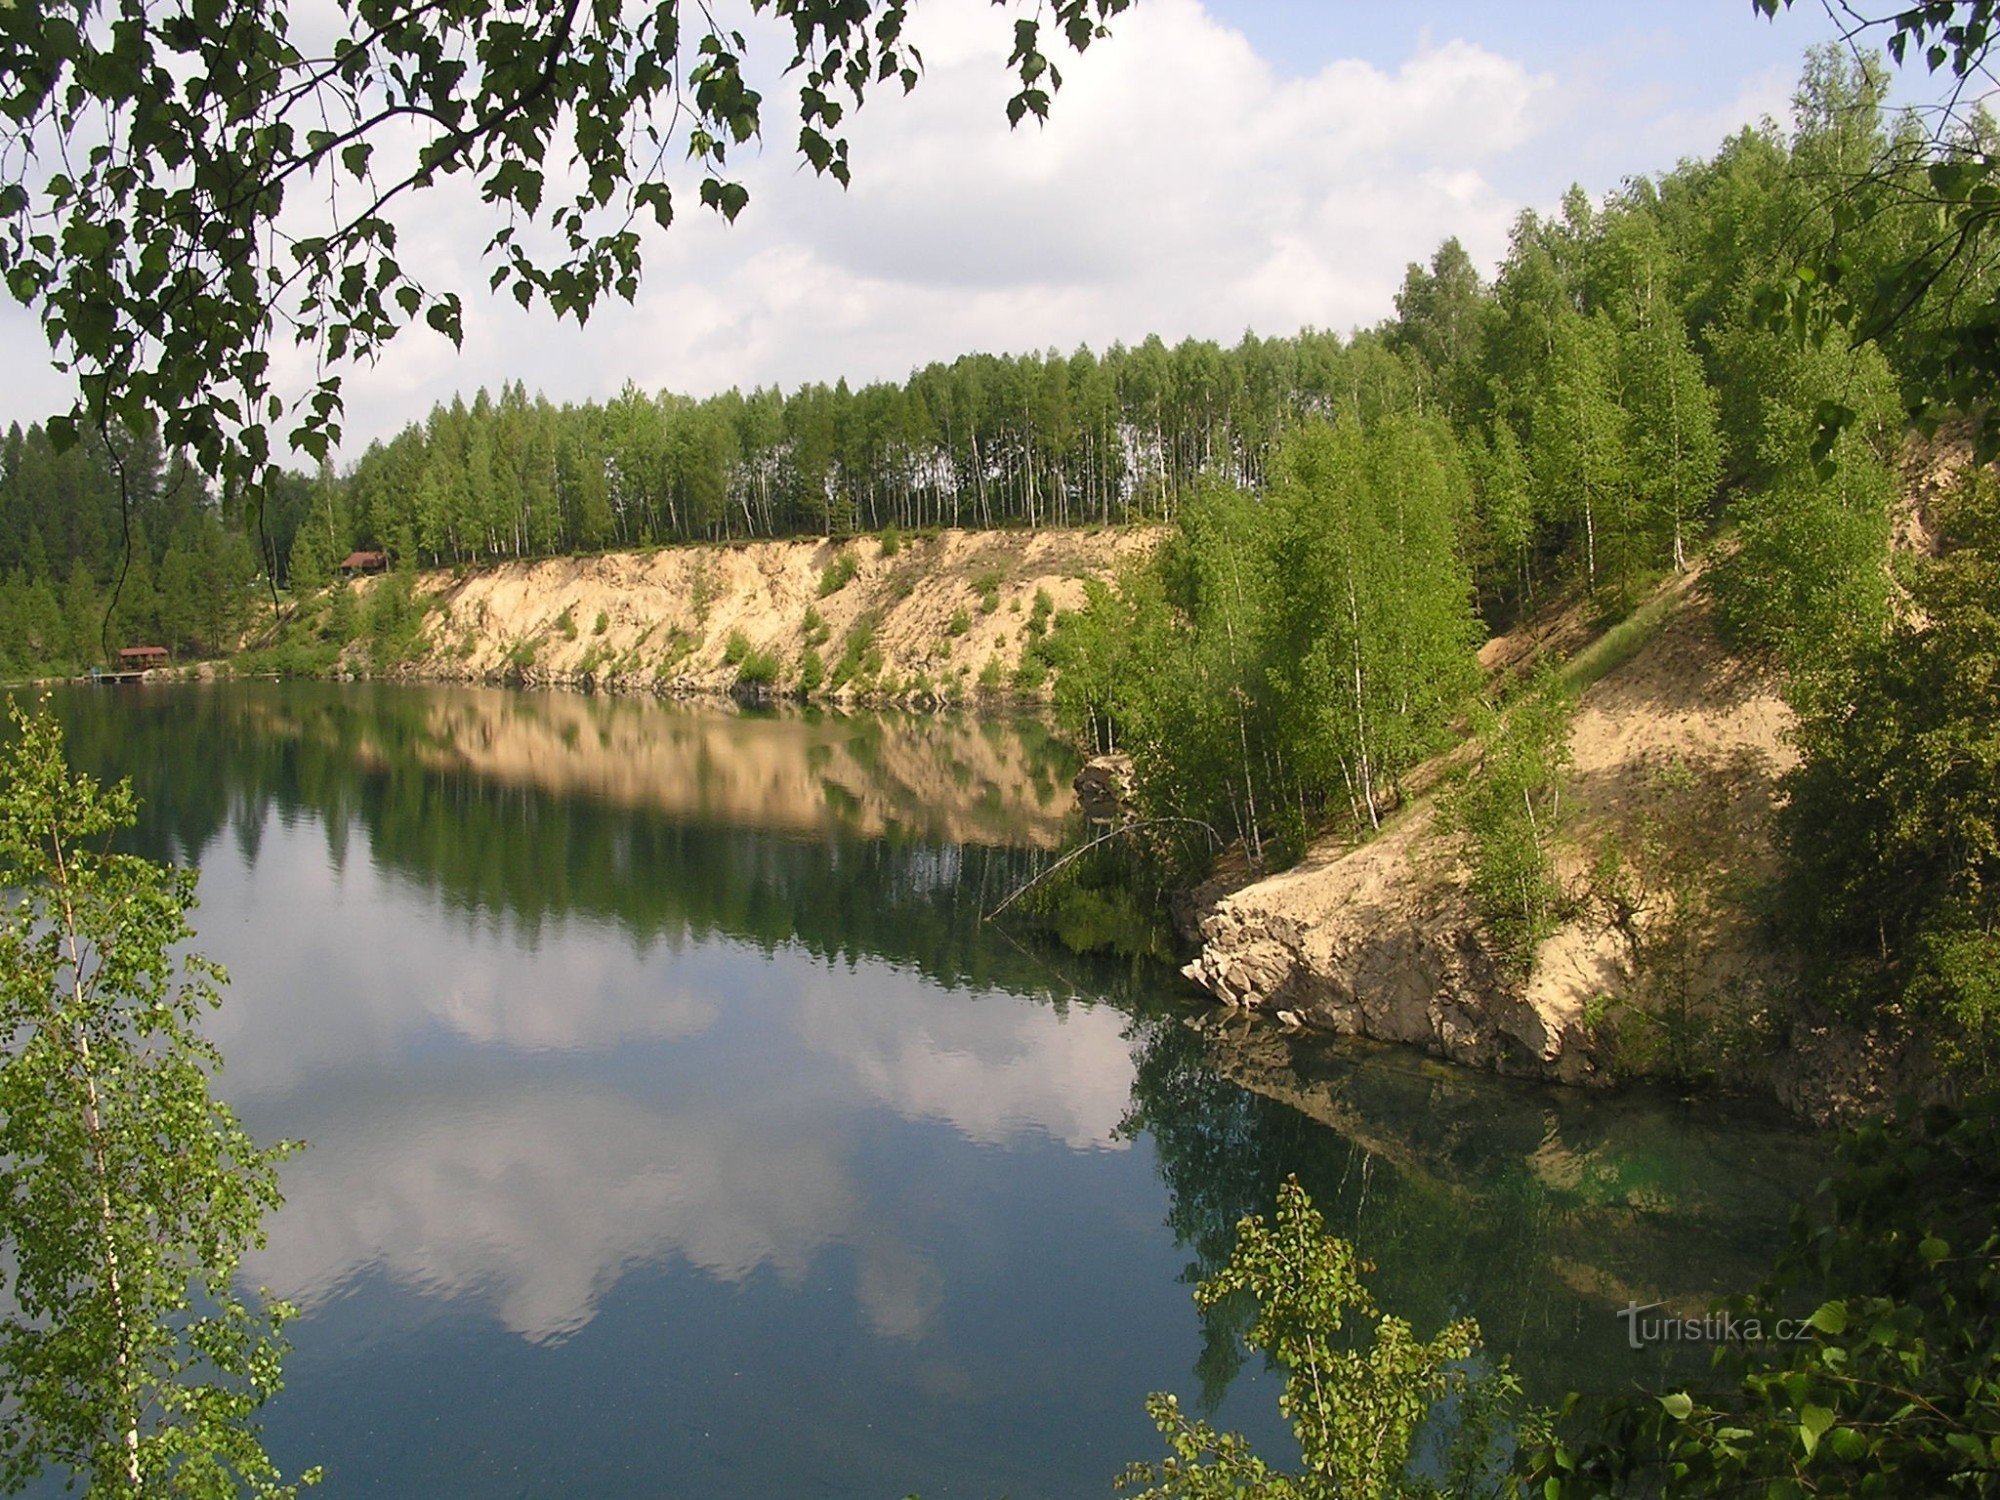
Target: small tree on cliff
[(128, 1193)]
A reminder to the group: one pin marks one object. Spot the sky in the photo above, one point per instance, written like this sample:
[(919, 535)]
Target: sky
[(1217, 166)]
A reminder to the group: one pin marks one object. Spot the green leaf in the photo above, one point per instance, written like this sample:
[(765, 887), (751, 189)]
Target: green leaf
[(1813, 1423), (1679, 1405)]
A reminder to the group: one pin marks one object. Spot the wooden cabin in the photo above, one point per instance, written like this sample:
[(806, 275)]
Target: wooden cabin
[(357, 563), (138, 658)]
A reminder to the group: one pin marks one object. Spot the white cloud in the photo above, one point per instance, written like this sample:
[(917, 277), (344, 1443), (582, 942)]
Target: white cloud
[(538, 1197), (998, 1072), (1186, 185), (573, 987)]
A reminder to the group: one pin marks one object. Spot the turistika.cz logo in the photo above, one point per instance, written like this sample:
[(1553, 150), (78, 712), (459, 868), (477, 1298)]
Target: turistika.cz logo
[(1647, 1324)]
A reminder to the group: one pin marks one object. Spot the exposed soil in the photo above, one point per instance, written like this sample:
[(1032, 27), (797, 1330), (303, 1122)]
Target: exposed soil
[(945, 618), (1678, 750)]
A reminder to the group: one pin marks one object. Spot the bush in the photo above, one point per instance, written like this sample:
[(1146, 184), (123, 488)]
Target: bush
[(736, 649), (566, 625), (892, 540), (1889, 1386), (1508, 811), (838, 574), (858, 656), (812, 671), (759, 669), (394, 622), (1892, 822), (1356, 1402), (603, 623), (959, 623), (986, 584)]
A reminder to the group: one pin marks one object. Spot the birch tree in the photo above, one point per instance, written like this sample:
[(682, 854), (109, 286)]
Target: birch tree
[(129, 1193)]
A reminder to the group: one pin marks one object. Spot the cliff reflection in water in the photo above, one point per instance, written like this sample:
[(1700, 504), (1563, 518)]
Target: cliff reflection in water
[(1537, 1209), (606, 1016)]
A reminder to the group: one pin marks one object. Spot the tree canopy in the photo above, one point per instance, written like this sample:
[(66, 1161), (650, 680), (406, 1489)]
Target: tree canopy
[(185, 182)]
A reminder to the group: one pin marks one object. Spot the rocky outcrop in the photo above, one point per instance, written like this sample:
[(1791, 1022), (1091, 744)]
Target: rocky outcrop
[(1380, 942)]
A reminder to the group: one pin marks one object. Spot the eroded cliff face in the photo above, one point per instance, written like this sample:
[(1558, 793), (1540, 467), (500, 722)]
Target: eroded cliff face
[(1381, 939), (940, 618)]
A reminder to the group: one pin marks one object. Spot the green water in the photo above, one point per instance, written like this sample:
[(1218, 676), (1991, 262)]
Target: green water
[(678, 1127)]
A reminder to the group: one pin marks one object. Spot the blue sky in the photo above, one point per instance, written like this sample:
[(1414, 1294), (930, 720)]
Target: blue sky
[(1219, 165)]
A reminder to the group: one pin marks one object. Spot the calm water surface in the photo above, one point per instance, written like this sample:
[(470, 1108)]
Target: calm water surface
[(678, 1128)]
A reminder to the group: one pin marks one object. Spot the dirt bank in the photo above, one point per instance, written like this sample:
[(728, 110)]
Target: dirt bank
[(944, 618), (1677, 753)]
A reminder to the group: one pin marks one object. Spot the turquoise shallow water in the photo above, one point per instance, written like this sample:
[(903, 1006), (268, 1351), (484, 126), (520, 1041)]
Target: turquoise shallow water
[(678, 1128)]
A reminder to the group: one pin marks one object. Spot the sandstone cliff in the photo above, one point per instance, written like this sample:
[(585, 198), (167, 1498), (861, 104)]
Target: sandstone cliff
[(948, 617)]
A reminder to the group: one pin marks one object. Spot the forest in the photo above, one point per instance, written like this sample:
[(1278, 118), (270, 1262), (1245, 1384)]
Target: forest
[(1595, 398)]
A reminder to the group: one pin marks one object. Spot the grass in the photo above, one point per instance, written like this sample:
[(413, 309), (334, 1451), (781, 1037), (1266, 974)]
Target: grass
[(1619, 644)]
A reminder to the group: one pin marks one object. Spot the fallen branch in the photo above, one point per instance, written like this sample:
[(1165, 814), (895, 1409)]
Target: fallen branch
[(1118, 832)]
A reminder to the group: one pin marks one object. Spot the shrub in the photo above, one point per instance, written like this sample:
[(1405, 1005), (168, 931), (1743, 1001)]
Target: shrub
[(759, 669), (1508, 811), (960, 623), (986, 583), (1038, 617), (838, 574), (858, 656), (1359, 1384), (566, 625), (603, 623)]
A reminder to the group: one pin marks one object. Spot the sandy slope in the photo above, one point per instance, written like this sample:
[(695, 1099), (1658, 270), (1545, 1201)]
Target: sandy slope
[(1682, 741), (663, 621)]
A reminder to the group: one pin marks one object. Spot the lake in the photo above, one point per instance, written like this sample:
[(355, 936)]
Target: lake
[(678, 1127)]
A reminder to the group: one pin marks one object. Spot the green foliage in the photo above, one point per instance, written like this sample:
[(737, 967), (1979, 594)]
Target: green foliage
[(812, 671), (892, 540), (1508, 812), (1285, 657), (1038, 616), (759, 669), (130, 1194), (838, 574), (603, 623), (1668, 887), (959, 623), (1356, 1404), (394, 622), (1893, 817), (986, 584), (154, 262), (703, 590), (736, 649), (1891, 1386), (858, 654), (565, 625)]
